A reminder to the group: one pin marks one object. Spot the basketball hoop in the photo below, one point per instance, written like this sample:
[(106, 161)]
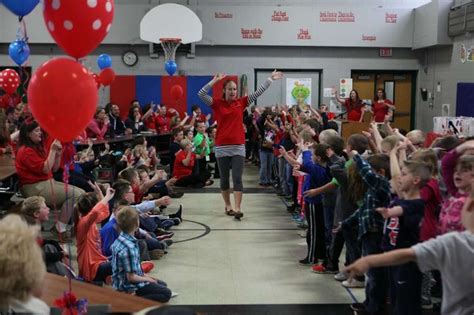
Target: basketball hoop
[(169, 47)]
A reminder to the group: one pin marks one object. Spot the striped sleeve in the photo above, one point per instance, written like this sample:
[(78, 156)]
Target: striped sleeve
[(204, 96), (262, 88)]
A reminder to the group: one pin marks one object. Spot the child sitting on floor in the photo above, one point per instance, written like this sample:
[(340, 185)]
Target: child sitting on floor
[(91, 209), (128, 275)]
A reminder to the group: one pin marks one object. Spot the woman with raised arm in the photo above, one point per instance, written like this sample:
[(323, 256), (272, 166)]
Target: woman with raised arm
[(230, 138), (354, 105)]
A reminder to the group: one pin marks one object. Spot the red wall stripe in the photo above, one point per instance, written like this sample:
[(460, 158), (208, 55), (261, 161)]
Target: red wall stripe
[(167, 82), (122, 92)]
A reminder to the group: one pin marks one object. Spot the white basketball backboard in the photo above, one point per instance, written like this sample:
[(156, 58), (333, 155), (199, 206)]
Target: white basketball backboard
[(171, 20)]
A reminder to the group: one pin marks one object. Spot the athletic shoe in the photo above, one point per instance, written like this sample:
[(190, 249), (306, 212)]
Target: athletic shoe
[(178, 213), (323, 270), (176, 194), (164, 236), (304, 262), (176, 221), (147, 266), (353, 283), (426, 303), (156, 254), (341, 276)]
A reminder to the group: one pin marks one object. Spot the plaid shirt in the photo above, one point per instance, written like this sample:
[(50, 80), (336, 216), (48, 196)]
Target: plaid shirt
[(125, 259), (377, 195)]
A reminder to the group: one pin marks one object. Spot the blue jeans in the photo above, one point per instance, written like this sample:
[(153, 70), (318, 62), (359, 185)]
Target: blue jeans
[(289, 178), (283, 175), (266, 165), (376, 284)]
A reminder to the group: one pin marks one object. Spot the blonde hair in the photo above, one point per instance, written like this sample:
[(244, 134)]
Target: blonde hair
[(22, 268), (391, 141), (306, 136), (427, 156), (127, 219), (31, 205), (184, 143), (417, 137)]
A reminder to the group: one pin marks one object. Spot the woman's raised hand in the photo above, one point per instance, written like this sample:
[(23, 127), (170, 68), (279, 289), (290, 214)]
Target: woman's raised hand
[(218, 76), (276, 75)]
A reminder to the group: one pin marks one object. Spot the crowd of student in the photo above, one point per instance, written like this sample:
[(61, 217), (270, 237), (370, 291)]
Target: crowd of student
[(118, 227), (380, 191), (377, 192)]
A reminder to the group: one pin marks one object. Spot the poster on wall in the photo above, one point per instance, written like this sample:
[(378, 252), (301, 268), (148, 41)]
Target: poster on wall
[(345, 87), (298, 92)]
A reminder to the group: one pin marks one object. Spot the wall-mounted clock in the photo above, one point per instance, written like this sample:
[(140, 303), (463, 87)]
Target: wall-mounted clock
[(130, 58)]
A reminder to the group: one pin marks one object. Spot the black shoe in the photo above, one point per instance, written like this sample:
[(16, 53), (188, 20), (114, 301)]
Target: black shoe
[(176, 194), (305, 262), (178, 213), (359, 308), (238, 215)]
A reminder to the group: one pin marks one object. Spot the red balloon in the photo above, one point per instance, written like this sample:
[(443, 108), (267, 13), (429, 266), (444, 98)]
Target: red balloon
[(176, 92), (107, 76), (62, 96), (96, 79), (9, 80), (78, 27)]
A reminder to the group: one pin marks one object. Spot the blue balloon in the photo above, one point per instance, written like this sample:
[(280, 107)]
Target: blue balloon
[(104, 61), (20, 7), (170, 67), (19, 51)]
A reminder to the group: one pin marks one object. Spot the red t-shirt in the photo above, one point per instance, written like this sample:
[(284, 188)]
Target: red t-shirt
[(354, 111), (380, 110), (138, 194), (150, 122), (162, 124), (230, 117), (29, 164), (432, 198), (180, 170)]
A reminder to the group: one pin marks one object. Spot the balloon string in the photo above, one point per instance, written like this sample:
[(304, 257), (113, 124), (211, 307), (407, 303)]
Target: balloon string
[(66, 181)]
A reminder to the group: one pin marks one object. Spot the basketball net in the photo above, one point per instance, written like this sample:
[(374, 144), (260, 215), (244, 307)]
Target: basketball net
[(169, 47)]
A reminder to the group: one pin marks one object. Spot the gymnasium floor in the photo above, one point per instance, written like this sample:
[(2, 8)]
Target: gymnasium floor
[(249, 266)]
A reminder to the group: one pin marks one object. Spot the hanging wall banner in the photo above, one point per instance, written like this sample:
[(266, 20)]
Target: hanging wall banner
[(298, 91)]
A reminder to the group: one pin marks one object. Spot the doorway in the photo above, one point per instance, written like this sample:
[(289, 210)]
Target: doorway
[(400, 87)]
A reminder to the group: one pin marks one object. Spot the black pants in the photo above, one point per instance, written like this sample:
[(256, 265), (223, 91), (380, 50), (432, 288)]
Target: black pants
[(194, 180), (315, 237), (105, 270), (155, 291), (335, 250), (405, 289)]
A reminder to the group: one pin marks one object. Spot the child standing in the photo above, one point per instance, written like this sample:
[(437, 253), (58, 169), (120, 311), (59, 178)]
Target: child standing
[(375, 173), (452, 254), (402, 231), (128, 275), (315, 166)]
